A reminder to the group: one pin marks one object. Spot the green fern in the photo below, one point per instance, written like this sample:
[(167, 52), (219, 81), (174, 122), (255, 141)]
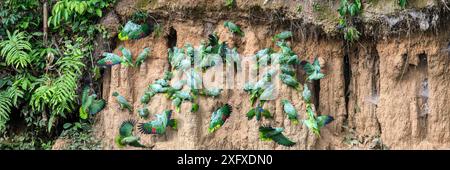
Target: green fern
[(16, 49), (5, 110)]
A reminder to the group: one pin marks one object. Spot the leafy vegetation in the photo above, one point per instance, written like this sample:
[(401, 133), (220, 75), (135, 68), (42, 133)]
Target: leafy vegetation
[(41, 69), (402, 3), (79, 137), (230, 3), (348, 11)]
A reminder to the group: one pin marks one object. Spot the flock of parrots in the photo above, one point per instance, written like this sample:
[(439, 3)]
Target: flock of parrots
[(207, 55)]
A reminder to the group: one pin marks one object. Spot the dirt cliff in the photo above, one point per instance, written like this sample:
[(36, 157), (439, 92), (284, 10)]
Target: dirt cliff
[(389, 90)]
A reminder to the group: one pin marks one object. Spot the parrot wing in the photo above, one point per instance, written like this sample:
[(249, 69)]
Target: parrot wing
[(126, 128), (324, 120), (282, 140), (97, 106)]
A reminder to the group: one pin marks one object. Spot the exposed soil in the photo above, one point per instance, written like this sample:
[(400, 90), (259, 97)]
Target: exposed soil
[(390, 90)]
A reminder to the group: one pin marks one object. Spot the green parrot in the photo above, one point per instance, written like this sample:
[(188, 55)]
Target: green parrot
[(127, 59), (263, 57), (316, 123), (285, 49), (158, 88), (248, 87), (232, 57), (159, 125), (179, 84), (167, 75), (282, 36), (290, 110), (110, 59), (213, 40), (194, 80), (210, 60), (313, 70), (177, 103), (194, 107), (147, 96), (213, 92), (175, 56), (123, 103), (267, 133), (306, 94), (143, 112), (183, 95), (219, 117), (267, 94), (89, 104), (233, 28), (142, 56), (287, 69), (258, 111), (134, 31), (162, 82), (290, 81), (126, 137)]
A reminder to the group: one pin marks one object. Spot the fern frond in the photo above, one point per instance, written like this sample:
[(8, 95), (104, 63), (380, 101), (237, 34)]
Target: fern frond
[(15, 50), (5, 110)]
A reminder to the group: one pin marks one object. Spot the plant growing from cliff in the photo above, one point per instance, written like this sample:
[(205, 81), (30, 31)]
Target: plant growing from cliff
[(402, 3), (70, 10), (347, 11), (230, 3)]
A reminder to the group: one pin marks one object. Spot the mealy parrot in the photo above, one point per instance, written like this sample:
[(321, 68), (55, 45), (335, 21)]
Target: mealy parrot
[(127, 59), (159, 125), (123, 103), (267, 133), (175, 56), (177, 86), (213, 92), (290, 110), (219, 117), (287, 69), (110, 59), (89, 104), (126, 137), (157, 88), (147, 96), (233, 28), (258, 111), (162, 82), (313, 70), (290, 81), (282, 36), (143, 112), (142, 56), (133, 31)]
